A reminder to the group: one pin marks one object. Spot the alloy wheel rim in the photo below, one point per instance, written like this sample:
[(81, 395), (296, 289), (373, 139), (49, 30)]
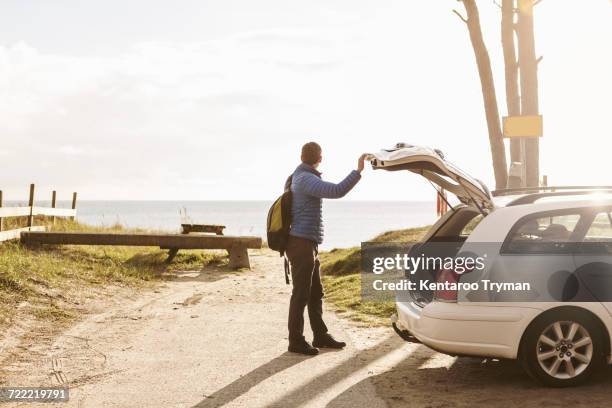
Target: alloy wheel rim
[(564, 349)]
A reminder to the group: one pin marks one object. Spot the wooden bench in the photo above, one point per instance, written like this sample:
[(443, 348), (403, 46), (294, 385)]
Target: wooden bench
[(189, 228), (204, 228), (235, 246)]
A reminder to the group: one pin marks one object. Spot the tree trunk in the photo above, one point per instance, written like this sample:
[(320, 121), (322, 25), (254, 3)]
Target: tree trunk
[(529, 84), (483, 62), (513, 100)]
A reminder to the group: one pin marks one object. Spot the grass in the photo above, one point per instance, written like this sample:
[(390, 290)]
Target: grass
[(342, 280), (50, 282), (345, 261)]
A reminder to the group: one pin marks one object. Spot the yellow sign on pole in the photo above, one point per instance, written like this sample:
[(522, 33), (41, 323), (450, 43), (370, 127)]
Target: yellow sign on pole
[(523, 126)]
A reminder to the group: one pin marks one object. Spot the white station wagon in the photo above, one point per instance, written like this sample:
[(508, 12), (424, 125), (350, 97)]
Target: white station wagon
[(535, 234)]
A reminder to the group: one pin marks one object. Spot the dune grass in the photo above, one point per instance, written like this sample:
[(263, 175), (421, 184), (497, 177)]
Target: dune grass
[(49, 282), (345, 261), (342, 280)]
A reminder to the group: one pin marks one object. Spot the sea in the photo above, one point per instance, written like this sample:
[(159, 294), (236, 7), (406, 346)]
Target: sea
[(346, 223)]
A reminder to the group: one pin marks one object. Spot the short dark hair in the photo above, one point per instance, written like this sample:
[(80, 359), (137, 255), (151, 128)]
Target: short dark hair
[(311, 153)]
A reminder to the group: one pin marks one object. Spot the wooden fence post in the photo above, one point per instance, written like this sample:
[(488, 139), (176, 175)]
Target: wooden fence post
[(74, 199), (53, 199), (31, 205), (1, 220)]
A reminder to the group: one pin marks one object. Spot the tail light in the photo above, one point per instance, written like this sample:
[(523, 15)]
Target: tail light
[(449, 277)]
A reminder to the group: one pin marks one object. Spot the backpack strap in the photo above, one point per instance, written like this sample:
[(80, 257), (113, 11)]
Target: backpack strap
[(287, 269), (286, 263), (288, 182)]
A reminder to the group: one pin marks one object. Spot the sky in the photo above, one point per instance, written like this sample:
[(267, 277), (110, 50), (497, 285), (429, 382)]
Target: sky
[(212, 99)]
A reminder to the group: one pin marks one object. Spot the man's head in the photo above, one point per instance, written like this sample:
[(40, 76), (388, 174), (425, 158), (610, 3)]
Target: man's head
[(311, 154)]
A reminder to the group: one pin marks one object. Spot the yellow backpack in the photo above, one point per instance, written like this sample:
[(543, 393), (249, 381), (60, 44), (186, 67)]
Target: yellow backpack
[(279, 223)]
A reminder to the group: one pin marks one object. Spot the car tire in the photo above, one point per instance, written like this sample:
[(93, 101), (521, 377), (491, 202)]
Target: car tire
[(562, 348)]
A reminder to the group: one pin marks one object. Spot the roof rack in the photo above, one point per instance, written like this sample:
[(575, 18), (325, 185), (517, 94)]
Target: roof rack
[(552, 189), (531, 198)]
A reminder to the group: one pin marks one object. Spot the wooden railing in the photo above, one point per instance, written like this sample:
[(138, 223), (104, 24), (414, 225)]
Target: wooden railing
[(31, 211)]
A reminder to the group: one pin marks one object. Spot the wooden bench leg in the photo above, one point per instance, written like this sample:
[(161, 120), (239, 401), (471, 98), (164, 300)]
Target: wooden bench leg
[(238, 257), (171, 254)]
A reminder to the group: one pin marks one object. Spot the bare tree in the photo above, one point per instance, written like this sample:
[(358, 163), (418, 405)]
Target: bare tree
[(513, 98), (483, 62), (528, 64)]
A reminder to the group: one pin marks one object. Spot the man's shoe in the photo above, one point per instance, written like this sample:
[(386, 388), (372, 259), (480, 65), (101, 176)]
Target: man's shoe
[(326, 340), (303, 347)]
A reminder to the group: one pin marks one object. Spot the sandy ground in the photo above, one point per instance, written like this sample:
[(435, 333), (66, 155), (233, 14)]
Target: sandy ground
[(213, 338)]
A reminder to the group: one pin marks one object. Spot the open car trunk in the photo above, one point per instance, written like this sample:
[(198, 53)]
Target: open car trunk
[(430, 163), (447, 235), (444, 239)]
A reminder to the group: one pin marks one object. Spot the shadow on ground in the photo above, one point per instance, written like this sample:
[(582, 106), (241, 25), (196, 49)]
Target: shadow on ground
[(423, 378), (209, 273), (315, 386), (242, 385), (473, 382)]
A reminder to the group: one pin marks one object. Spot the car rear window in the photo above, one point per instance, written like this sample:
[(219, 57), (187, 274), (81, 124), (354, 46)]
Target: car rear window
[(542, 234)]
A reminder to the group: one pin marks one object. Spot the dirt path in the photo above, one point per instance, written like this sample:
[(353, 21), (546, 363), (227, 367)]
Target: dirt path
[(206, 339), (215, 338)]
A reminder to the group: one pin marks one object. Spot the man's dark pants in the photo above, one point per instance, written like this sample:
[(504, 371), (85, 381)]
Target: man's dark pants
[(307, 289)]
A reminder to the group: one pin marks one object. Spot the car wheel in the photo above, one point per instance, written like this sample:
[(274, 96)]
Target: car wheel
[(562, 348)]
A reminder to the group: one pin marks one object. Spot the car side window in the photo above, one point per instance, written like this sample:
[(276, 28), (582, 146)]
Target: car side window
[(542, 235), (598, 238)]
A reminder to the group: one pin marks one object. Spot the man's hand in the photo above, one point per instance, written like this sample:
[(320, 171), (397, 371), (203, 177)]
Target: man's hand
[(361, 162)]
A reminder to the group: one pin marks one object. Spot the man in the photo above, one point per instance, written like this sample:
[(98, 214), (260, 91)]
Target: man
[(305, 235)]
